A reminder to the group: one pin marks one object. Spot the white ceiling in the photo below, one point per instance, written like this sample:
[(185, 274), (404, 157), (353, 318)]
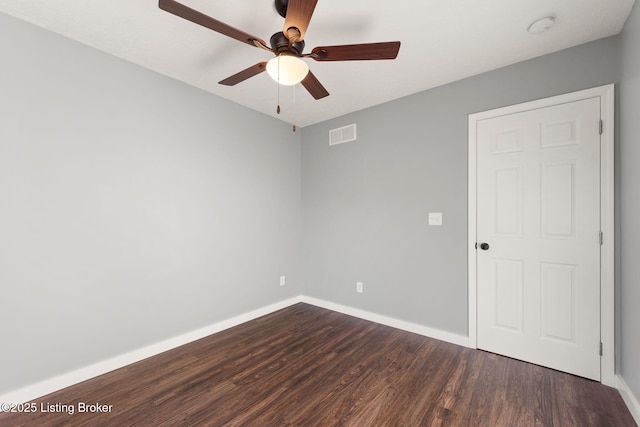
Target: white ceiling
[(442, 41)]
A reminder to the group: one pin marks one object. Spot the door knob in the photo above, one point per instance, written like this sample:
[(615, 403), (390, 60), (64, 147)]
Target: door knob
[(484, 246)]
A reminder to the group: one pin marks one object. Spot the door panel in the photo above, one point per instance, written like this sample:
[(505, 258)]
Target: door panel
[(538, 208), (508, 202), (558, 200), (559, 301), (508, 291)]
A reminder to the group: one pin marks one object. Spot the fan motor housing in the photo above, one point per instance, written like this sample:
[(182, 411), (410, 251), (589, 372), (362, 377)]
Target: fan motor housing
[(280, 43)]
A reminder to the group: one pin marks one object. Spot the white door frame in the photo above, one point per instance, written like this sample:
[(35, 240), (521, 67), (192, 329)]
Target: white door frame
[(607, 303)]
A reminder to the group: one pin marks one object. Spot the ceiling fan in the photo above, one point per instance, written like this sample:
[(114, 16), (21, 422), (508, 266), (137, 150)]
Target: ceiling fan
[(287, 45)]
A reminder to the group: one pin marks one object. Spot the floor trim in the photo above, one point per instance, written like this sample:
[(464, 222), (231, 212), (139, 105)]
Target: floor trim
[(629, 398), (390, 321), (59, 382)]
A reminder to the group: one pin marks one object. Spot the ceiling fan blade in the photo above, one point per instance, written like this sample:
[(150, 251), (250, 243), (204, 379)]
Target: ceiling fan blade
[(314, 87), (200, 18), (298, 16), (356, 52), (244, 74)]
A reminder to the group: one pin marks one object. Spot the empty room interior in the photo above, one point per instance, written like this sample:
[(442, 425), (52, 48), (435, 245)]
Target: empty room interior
[(437, 224)]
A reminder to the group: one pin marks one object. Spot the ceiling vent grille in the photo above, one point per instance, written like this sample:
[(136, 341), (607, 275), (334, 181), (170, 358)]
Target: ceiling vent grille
[(343, 134)]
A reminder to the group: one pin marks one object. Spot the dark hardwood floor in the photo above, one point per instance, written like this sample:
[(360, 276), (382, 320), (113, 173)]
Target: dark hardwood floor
[(307, 366)]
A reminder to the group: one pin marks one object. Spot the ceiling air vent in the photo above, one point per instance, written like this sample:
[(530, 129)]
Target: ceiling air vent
[(343, 134)]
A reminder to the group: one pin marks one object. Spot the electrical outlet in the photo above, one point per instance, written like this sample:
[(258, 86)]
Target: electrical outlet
[(359, 287), (435, 218), (282, 281)]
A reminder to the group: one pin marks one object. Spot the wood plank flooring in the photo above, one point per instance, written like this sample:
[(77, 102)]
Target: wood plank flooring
[(307, 366)]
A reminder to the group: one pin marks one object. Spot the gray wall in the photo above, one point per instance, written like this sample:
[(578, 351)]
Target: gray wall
[(133, 208), (629, 202), (365, 203)]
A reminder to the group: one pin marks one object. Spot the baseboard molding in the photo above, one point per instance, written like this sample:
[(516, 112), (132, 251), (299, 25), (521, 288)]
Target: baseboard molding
[(390, 321), (629, 398), (59, 382)]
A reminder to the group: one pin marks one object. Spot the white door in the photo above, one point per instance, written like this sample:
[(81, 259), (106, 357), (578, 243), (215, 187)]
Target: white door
[(538, 232)]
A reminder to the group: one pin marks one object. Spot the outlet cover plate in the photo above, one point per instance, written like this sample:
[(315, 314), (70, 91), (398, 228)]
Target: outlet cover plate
[(435, 218)]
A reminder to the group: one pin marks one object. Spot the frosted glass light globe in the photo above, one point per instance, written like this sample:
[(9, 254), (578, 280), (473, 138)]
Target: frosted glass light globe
[(287, 69)]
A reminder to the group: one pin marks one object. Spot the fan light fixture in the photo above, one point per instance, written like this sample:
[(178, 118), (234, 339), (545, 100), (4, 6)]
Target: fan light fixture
[(288, 45), (287, 69)]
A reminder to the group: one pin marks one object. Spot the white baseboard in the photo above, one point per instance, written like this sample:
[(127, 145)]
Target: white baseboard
[(59, 382), (629, 398), (390, 321)]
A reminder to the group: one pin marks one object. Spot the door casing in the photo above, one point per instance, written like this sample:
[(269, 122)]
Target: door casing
[(607, 303)]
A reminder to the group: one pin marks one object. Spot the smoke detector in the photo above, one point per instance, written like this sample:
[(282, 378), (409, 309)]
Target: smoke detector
[(542, 25)]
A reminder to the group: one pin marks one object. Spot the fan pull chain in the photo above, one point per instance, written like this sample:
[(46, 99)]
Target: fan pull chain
[(294, 107), (278, 83)]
